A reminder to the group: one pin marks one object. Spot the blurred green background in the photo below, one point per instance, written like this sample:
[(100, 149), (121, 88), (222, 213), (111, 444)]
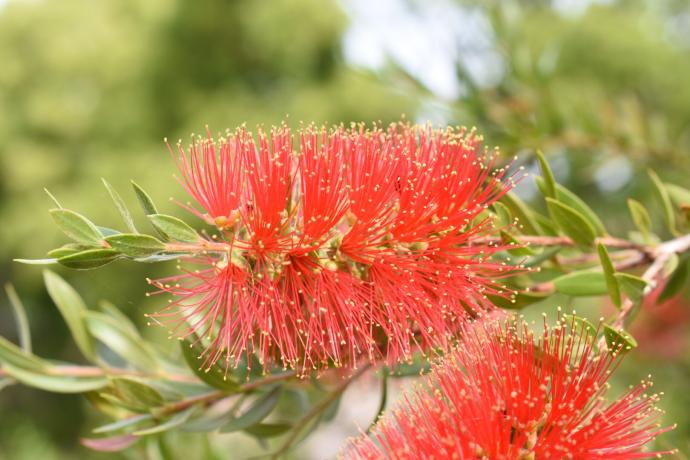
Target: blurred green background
[(89, 89)]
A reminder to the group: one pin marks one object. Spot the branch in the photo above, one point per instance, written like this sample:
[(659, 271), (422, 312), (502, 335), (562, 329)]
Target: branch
[(661, 255), (317, 410)]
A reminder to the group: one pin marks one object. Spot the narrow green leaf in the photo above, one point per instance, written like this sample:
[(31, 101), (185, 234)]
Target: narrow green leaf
[(135, 394), (545, 254), (12, 354), (64, 251), (679, 196), (580, 324), (36, 261), (502, 214), (105, 231), (520, 211), (122, 424), (135, 245), (214, 375), (121, 341), (145, 200), (640, 217), (72, 309), (173, 422), (20, 318), (52, 197), (518, 248), (572, 223), (618, 341), (549, 180), (568, 198), (609, 275), (632, 286), (519, 300), (268, 430), (77, 227), (120, 318), (121, 206), (174, 228), (546, 225), (55, 383), (677, 280), (258, 411), (89, 259), (582, 283), (665, 201)]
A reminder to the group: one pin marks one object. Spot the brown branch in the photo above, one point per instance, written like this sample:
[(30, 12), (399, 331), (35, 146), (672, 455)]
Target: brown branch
[(661, 255)]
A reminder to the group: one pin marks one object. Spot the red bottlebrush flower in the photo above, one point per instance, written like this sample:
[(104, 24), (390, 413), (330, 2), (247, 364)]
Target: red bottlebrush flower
[(506, 394), (347, 242)]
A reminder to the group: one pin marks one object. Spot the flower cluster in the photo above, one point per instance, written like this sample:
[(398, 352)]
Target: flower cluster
[(507, 394), (336, 243)]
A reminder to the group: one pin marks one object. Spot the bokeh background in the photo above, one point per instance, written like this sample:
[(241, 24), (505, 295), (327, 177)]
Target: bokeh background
[(89, 89)]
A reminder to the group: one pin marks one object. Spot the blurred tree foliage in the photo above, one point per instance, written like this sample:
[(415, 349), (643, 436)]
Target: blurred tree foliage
[(89, 89)]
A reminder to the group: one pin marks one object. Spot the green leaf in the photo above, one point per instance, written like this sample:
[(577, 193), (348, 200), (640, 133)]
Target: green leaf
[(121, 206), (568, 198), (609, 275), (618, 341), (122, 424), (77, 227), (12, 354), (52, 197), (121, 341), (105, 231), (135, 394), (518, 248), (20, 318), (677, 280), (66, 250), (519, 300), (679, 196), (632, 286), (268, 430), (258, 411), (174, 228), (545, 254), (145, 200), (120, 318), (665, 201), (580, 324), (72, 309), (36, 261), (640, 217), (502, 214), (214, 375), (55, 383), (549, 180), (572, 223), (521, 212), (173, 422), (89, 259), (582, 283), (135, 245)]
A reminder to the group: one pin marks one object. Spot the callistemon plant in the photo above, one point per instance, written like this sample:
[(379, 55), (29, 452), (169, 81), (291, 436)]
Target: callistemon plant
[(336, 243), (507, 393), (370, 250)]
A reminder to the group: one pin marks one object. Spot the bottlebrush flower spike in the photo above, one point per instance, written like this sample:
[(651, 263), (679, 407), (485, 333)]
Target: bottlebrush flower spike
[(337, 243), (507, 394)]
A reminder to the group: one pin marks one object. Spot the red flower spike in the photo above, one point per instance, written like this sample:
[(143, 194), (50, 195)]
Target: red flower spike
[(337, 243), (506, 394)]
